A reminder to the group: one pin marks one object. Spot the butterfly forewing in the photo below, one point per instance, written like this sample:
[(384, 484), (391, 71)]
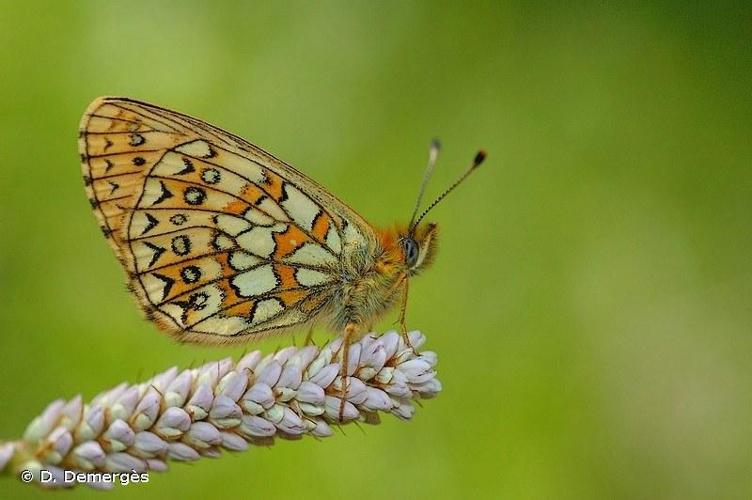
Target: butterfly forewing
[(220, 239)]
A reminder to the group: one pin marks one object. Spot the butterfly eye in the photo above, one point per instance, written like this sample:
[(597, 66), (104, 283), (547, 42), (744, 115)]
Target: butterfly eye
[(410, 247)]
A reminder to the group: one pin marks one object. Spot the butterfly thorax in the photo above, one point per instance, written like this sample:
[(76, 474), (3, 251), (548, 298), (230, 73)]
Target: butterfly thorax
[(370, 282), (373, 279)]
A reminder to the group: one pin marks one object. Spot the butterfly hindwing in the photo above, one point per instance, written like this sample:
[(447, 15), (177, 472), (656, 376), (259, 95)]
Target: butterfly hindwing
[(220, 239)]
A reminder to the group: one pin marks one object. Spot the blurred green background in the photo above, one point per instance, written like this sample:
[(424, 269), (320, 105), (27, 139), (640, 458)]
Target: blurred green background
[(590, 303)]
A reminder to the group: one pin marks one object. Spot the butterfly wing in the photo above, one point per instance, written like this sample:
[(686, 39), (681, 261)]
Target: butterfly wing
[(221, 240)]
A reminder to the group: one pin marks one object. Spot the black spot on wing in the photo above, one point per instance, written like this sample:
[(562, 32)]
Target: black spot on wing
[(181, 245), (168, 282), (252, 313), (157, 252), (216, 241), (284, 196), (152, 222), (179, 219), (194, 195), (211, 176), (190, 274), (187, 167), (165, 194), (196, 302), (136, 140)]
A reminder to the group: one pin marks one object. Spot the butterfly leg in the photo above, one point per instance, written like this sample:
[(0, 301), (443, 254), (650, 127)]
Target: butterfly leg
[(347, 338), (403, 314)]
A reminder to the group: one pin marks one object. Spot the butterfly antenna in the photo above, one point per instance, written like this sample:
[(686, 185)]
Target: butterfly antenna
[(479, 157), (433, 154)]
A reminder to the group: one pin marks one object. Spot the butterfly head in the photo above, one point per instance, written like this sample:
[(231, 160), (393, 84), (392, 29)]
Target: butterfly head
[(418, 247), (418, 242)]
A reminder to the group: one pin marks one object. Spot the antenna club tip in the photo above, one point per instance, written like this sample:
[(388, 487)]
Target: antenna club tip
[(479, 157), (435, 143)]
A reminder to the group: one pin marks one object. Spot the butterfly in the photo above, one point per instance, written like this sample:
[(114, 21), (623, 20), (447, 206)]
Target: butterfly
[(223, 242)]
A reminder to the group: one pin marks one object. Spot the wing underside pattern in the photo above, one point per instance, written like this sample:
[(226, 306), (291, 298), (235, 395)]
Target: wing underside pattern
[(220, 240)]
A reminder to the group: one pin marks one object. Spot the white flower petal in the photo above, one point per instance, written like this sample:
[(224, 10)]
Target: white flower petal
[(177, 392), (123, 462), (249, 361), (173, 423), (309, 392), (270, 374), (261, 394), (326, 375), (284, 354), (43, 424), (377, 400), (149, 444), (391, 342), (182, 452), (119, 436), (233, 385), (233, 442), (291, 376), (254, 426)]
